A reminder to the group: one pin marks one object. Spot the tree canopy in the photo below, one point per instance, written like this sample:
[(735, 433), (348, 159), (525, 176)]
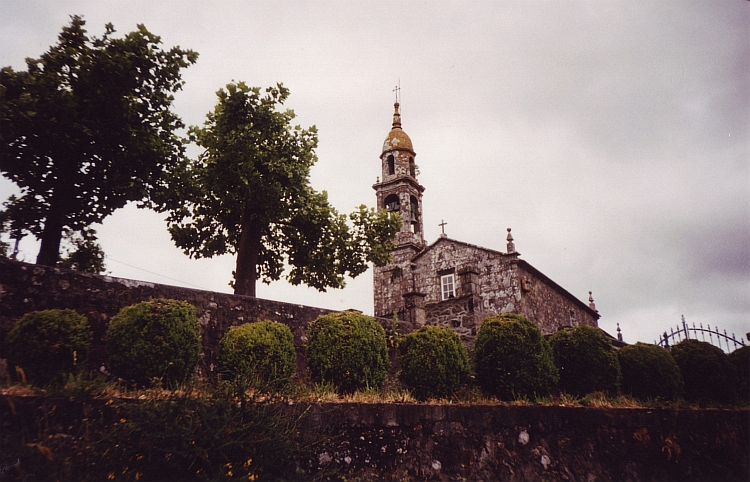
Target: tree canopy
[(249, 194), (87, 128)]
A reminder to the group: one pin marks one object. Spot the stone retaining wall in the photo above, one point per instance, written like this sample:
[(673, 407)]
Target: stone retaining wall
[(393, 441), (26, 287)]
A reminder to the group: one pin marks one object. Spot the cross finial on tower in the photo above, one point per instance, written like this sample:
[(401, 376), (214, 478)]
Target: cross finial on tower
[(397, 90), (442, 226)]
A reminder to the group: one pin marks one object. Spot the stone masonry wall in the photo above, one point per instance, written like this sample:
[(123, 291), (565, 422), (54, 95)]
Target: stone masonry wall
[(547, 307), (397, 442), (27, 287)]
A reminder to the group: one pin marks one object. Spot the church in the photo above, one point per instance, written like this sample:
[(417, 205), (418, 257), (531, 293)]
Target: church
[(450, 282)]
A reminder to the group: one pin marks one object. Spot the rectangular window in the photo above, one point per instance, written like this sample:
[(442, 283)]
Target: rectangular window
[(447, 282)]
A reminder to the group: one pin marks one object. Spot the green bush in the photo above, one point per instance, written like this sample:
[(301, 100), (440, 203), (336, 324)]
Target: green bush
[(48, 345), (347, 349), (587, 361), (434, 362), (740, 358), (261, 353), (649, 371), (512, 359), (708, 374), (154, 340)]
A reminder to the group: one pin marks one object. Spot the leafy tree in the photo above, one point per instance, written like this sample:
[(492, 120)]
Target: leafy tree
[(87, 128), (84, 254), (249, 194)]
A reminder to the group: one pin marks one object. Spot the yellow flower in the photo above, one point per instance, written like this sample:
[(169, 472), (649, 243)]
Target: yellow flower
[(109, 402), (137, 475), (229, 473), (251, 477), (111, 476), (122, 420), (247, 464)]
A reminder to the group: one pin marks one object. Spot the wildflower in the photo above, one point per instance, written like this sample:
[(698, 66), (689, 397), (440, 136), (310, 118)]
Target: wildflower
[(247, 464), (111, 476)]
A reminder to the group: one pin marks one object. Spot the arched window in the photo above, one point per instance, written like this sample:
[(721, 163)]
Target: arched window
[(391, 165), (391, 203), (412, 167), (414, 212)]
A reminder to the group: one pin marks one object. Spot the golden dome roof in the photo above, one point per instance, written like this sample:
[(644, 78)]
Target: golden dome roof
[(397, 138)]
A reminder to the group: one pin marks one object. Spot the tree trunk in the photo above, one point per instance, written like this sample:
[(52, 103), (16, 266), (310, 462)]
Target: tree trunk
[(246, 270), (49, 252)]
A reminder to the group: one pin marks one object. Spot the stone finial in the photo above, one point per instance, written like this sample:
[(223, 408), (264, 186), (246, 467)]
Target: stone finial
[(377, 180), (396, 116), (619, 332), (591, 303), (511, 246)]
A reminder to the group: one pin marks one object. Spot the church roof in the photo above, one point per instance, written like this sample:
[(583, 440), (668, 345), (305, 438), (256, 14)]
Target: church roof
[(397, 138)]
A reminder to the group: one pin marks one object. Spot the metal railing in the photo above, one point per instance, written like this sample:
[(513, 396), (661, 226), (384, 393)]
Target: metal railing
[(699, 333)]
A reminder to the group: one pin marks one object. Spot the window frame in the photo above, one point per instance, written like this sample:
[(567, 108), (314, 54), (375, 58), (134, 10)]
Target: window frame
[(447, 286)]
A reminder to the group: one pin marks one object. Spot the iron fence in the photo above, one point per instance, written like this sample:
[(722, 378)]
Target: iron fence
[(686, 332)]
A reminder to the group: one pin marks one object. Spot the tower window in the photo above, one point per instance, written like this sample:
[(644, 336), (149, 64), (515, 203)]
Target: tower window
[(448, 283), (412, 167), (391, 165), (391, 203)]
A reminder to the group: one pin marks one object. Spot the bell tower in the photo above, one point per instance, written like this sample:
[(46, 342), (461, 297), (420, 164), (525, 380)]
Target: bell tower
[(399, 191)]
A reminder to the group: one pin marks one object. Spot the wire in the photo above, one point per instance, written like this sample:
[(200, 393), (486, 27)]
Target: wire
[(156, 274)]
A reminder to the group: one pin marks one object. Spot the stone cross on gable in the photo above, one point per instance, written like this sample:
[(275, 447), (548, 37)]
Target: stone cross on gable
[(442, 226)]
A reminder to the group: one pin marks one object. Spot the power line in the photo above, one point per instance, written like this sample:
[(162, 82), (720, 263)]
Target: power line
[(156, 274)]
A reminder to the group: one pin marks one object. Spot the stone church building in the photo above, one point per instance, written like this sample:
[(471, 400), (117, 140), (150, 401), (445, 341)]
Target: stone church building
[(454, 283)]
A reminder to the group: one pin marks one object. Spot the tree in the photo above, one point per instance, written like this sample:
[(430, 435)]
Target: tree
[(88, 128), (249, 194), (84, 253)]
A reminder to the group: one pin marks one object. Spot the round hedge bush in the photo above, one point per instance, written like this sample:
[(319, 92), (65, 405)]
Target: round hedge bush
[(157, 340), (49, 344), (649, 371), (512, 359), (740, 358), (261, 353), (708, 374), (434, 362), (347, 349), (587, 361)]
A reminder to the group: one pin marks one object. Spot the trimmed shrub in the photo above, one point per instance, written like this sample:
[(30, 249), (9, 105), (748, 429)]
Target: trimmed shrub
[(347, 349), (154, 340), (49, 344), (261, 353), (587, 361), (434, 362), (649, 371), (740, 358), (512, 359), (708, 374)]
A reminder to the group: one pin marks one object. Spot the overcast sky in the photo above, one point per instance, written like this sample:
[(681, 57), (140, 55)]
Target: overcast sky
[(612, 137)]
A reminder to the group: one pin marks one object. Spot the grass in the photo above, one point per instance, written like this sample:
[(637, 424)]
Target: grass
[(96, 386)]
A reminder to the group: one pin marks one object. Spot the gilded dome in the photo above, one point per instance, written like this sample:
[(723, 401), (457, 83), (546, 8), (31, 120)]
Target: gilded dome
[(397, 138)]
